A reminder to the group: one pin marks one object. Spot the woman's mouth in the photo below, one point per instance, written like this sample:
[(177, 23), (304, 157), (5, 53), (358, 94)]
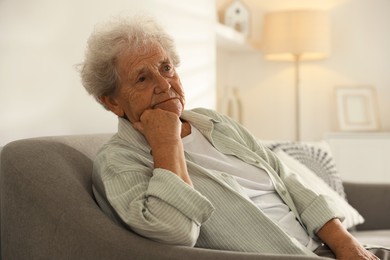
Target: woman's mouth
[(162, 102)]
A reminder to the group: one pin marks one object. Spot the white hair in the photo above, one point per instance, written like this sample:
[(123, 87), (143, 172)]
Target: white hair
[(99, 72)]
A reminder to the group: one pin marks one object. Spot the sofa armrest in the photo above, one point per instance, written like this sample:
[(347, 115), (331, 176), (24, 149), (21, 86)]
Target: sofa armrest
[(372, 202)]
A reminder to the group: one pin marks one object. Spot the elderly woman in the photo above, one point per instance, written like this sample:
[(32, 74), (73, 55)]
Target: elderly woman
[(193, 178)]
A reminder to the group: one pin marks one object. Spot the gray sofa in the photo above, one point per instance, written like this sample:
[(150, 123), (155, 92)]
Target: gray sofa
[(48, 210)]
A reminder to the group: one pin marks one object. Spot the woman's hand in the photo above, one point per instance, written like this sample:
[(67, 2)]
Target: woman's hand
[(353, 250), (162, 129), (342, 243)]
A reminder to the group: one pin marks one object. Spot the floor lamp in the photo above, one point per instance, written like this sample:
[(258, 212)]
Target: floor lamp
[(296, 35)]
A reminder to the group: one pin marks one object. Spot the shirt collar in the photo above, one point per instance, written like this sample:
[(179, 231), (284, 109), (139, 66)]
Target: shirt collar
[(129, 134)]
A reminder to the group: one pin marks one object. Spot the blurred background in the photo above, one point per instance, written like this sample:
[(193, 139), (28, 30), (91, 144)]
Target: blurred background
[(42, 41)]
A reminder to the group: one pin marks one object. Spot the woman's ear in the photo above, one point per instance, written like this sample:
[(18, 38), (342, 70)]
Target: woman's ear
[(112, 104)]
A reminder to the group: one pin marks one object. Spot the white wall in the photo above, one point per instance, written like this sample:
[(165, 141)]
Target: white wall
[(42, 40), (360, 56)]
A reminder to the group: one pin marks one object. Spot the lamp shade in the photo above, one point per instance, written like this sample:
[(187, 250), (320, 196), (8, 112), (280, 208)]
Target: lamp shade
[(303, 33)]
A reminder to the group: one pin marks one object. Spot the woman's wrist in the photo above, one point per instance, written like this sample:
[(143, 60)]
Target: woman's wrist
[(334, 235)]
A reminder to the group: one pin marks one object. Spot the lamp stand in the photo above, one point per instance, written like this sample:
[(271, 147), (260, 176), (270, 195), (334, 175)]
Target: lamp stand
[(297, 59)]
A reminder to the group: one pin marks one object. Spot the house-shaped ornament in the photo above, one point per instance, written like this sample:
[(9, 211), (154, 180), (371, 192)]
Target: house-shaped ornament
[(237, 17)]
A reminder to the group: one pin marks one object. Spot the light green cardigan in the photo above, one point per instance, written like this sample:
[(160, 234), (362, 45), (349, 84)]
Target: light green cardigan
[(157, 204)]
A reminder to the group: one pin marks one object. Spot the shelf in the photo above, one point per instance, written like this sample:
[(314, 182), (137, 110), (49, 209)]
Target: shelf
[(358, 135), (231, 40), (361, 157)]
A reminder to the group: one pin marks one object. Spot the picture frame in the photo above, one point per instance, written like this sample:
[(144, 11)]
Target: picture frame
[(357, 108)]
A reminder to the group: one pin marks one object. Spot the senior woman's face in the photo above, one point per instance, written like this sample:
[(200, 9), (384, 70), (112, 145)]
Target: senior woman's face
[(148, 81)]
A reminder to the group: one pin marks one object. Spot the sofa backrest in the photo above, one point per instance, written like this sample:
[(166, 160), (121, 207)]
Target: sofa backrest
[(88, 144)]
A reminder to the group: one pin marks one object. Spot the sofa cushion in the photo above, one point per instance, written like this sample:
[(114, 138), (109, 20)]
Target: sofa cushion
[(310, 179), (373, 237), (317, 157)]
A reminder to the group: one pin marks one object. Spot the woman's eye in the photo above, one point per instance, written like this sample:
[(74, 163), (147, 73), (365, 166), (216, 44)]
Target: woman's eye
[(141, 79), (167, 68)]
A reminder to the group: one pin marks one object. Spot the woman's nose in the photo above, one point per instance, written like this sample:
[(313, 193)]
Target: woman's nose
[(161, 84)]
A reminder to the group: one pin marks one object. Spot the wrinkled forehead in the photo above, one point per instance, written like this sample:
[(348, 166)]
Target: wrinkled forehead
[(136, 58)]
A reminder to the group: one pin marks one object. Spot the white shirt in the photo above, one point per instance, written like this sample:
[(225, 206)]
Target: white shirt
[(255, 182)]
